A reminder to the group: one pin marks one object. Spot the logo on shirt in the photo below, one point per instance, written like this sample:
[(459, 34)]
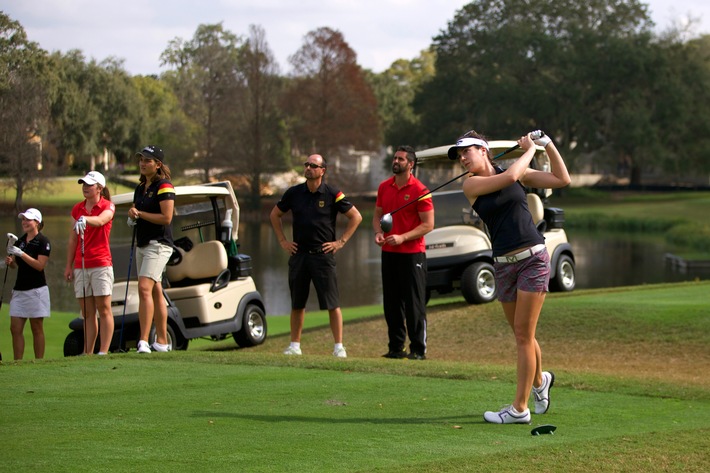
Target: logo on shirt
[(406, 196), (321, 204)]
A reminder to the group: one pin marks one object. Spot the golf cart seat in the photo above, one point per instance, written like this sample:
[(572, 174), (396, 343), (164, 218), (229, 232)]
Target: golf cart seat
[(537, 210), (201, 270)]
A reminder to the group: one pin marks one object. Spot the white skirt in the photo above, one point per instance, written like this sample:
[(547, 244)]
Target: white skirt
[(30, 304)]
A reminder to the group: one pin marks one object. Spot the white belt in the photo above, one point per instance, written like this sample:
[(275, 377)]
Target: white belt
[(520, 256)]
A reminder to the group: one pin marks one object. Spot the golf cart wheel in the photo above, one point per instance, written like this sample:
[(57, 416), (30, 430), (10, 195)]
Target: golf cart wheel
[(253, 331), (176, 341), (478, 283), (74, 344), (565, 279)]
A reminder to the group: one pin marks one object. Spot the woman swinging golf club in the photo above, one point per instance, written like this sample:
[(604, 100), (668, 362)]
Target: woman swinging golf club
[(522, 264), (89, 262)]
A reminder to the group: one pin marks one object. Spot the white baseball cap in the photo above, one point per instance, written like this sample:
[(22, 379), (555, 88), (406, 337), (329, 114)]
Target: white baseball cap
[(93, 177), (31, 214)]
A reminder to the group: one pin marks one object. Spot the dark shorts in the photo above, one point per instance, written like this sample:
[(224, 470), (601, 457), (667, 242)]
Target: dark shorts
[(320, 268), (530, 275)]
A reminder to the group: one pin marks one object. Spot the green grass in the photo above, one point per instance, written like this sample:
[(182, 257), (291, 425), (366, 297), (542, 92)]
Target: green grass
[(256, 410), (56, 192)]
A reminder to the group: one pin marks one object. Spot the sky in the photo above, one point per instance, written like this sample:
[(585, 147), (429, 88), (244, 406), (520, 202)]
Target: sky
[(379, 31)]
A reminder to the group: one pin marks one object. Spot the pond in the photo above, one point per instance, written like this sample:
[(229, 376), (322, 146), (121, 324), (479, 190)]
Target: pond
[(603, 260)]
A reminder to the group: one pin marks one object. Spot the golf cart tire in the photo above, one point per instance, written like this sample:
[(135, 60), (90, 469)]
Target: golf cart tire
[(253, 331), (478, 283), (565, 279), (176, 340), (74, 343)]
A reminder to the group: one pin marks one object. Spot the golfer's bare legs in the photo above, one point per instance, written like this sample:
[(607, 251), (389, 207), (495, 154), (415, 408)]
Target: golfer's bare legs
[(522, 316)]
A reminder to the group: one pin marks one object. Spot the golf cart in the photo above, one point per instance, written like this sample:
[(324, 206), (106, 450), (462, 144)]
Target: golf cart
[(458, 250), (207, 283)]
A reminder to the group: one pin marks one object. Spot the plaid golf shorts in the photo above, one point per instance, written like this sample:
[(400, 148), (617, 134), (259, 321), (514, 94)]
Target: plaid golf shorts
[(530, 275)]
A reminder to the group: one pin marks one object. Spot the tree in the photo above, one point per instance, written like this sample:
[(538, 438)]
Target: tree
[(259, 143), (24, 107), (205, 74), (163, 122), (507, 66), (395, 89), (330, 103), (76, 125)]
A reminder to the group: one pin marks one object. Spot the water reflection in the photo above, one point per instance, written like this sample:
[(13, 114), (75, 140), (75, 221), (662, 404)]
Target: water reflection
[(603, 260)]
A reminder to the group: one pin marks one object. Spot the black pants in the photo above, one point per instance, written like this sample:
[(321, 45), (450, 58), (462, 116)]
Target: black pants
[(404, 299)]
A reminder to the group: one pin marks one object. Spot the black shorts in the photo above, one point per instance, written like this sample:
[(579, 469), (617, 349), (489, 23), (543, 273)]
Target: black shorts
[(319, 268)]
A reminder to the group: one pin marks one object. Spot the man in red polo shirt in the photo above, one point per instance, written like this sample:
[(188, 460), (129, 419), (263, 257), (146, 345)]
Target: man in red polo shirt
[(404, 256)]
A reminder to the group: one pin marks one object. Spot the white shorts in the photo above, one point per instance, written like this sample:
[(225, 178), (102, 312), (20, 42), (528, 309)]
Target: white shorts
[(99, 281), (152, 259), (30, 304)]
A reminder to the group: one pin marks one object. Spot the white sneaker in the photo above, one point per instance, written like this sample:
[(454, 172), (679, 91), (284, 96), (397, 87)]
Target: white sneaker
[(340, 353), (507, 415), (542, 394), (292, 351), (160, 347), (143, 347)]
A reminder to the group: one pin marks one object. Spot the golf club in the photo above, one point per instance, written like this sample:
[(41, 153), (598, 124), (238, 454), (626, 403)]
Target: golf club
[(83, 284), (11, 239), (125, 297), (386, 219)]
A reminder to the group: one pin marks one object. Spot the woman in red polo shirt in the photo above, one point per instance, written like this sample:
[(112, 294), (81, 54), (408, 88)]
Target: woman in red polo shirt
[(89, 262)]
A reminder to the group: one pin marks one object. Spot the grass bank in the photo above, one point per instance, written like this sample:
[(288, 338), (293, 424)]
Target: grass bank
[(631, 395), (681, 216)]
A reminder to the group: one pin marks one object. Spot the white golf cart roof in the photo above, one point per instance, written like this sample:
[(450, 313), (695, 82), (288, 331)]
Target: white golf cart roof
[(186, 193), (496, 146)]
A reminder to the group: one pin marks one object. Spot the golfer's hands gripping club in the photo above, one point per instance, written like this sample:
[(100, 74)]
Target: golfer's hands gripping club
[(80, 225), (540, 138), (15, 251)]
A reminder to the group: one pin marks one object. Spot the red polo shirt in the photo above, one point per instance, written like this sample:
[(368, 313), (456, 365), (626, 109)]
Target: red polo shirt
[(390, 198), (97, 250)]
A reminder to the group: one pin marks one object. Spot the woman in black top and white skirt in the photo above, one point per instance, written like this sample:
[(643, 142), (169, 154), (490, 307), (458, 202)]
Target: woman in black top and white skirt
[(30, 295)]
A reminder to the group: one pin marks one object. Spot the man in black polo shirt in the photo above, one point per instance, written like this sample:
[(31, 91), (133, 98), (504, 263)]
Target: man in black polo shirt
[(315, 206)]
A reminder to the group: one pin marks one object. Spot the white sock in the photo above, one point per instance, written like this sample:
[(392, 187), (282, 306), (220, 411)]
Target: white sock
[(295, 344), (338, 346)]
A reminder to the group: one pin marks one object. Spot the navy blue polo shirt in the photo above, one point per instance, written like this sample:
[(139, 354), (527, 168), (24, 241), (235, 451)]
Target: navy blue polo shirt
[(314, 213), (28, 277), (148, 200)]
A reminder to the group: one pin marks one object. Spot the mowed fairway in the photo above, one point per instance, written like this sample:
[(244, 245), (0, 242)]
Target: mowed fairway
[(631, 394)]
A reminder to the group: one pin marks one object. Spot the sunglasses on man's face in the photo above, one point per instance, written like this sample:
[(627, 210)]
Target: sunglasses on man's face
[(313, 165)]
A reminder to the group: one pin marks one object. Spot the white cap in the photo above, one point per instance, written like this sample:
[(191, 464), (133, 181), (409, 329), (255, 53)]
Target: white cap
[(465, 143), (93, 177), (31, 214)]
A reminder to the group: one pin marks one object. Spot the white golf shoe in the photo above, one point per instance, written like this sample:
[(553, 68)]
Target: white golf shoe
[(340, 353), (542, 394), (292, 351), (507, 415), (143, 347)]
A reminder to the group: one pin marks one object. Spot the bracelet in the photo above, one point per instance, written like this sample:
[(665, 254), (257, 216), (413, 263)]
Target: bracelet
[(343, 241), (377, 233)]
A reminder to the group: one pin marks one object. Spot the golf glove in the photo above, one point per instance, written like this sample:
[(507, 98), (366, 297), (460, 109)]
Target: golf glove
[(543, 139), (131, 222), (15, 251), (80, 225)]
